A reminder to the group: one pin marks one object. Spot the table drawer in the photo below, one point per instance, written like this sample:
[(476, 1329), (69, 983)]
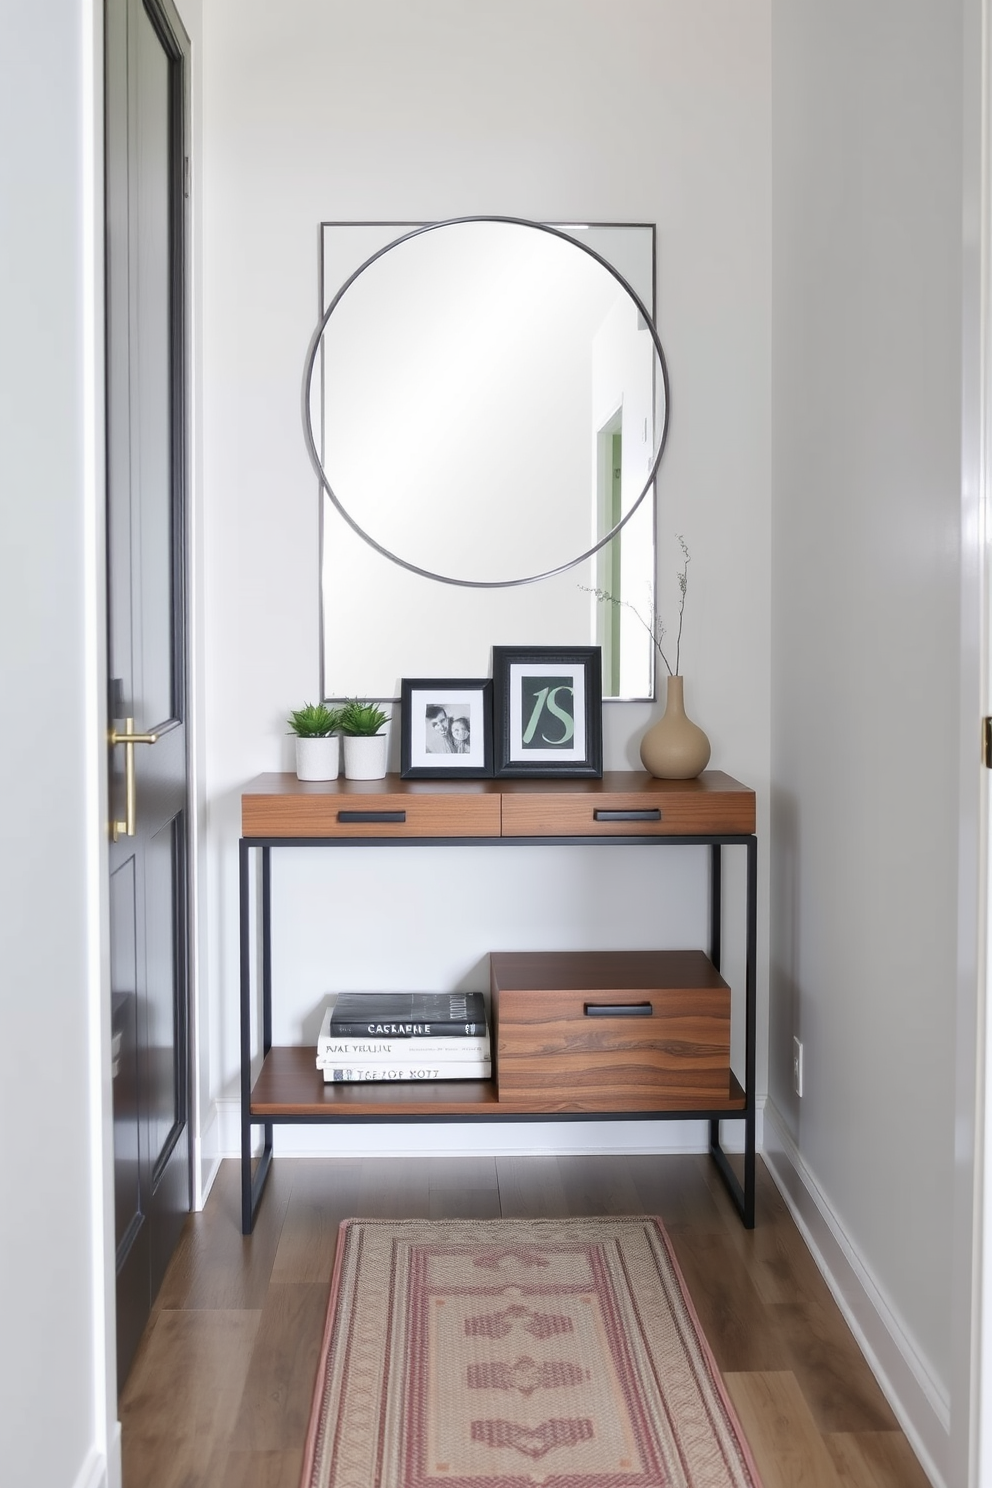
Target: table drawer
[(660, 808), (355, 813), (601, 1031)]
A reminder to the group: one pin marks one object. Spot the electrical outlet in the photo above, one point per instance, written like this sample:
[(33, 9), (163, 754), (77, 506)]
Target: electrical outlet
[(797, 1065)]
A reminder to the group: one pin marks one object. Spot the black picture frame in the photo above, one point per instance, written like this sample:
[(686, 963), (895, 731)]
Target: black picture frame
[(432, 752), (537, 730)]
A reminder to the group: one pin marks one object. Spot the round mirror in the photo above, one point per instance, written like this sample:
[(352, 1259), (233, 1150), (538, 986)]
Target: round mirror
[(458, 391)]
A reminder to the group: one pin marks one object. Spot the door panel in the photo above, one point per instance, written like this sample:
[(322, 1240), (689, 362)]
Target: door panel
[(147, 63), (131, 1229), (124, 1061), (151, 316), (163, 1034)]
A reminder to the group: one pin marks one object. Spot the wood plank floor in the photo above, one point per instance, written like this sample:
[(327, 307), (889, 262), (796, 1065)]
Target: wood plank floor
[(219, 1393)]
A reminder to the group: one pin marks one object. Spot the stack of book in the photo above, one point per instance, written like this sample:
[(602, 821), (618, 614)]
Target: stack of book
[(389, 1036)]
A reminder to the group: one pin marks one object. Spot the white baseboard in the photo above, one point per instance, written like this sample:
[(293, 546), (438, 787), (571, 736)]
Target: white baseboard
[(208, 1154), (209, 1169), (98, 1471), (115, 1467), (917, 1400), (481, 1138), (93, 1473)]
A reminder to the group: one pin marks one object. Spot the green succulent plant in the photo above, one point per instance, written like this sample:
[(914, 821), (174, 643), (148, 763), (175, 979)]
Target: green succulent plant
[(314, 721), (362, 719)]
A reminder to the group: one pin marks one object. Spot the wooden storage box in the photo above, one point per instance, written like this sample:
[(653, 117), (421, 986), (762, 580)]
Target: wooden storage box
[(559, 1047)]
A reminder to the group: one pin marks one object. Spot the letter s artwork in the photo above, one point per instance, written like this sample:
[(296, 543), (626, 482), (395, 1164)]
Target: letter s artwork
[(548, 711)]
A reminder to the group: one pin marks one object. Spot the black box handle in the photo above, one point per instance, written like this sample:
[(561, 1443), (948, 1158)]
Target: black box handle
[(618, 1010), (371, 816), (646, 813)]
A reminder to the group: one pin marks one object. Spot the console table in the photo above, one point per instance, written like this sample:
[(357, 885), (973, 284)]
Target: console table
[(678, 1068)]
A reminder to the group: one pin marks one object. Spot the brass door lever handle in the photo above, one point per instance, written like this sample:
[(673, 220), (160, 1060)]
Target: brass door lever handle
[(128, 738)]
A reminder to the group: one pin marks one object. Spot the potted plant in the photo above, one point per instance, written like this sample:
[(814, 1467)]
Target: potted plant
[(317, 744), (361, 726)]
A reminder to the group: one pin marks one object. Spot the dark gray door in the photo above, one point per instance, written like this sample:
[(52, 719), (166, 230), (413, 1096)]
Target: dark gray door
[(146, 85)]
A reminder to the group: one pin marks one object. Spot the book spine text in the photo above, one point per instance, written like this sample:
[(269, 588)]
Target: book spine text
[(349, 1028), (398, 1051), (480, 1069)]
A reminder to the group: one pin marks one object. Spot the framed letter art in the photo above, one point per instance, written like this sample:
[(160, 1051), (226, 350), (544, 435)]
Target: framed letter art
[(548, 702), (446, 728)]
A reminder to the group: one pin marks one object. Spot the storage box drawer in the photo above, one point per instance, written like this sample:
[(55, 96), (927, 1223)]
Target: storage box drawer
[(610, 1031), (713, 804), (340, 808)]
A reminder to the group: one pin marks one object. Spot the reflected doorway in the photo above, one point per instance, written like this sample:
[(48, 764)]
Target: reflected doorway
[(609, 469)]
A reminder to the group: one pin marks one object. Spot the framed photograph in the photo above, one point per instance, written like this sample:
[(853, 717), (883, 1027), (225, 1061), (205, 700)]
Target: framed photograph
[(548, 704), (446, 728)]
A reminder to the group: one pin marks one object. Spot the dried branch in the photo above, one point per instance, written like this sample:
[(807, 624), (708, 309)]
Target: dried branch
[(656, 626)]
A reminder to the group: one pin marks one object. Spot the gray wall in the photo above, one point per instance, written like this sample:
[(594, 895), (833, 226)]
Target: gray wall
[(867, 399), (383, 110)]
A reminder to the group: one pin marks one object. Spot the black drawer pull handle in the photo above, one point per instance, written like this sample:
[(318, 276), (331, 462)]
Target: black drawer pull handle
[(618, 1009), (647, 813), (371, 816)]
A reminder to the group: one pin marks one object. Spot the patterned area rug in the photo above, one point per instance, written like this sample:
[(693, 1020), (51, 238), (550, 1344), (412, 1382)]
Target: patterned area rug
[(509, 1353)]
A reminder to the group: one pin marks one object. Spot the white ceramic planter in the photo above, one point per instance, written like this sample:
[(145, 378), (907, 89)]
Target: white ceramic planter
[(364, 756), (318, 759)]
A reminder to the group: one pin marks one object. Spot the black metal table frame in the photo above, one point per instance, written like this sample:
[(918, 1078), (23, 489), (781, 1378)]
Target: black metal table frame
[(253, 1183)]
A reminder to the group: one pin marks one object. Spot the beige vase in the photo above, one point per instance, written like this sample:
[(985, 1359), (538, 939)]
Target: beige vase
[(675, 748)]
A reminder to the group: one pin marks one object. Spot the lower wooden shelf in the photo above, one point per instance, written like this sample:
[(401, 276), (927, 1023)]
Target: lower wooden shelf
[(289, 1086)]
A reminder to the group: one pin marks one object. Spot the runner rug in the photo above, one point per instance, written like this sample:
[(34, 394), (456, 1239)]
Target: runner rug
[(508, 1353)]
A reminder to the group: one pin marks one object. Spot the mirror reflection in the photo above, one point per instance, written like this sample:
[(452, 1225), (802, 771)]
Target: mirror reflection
[(488, 404)]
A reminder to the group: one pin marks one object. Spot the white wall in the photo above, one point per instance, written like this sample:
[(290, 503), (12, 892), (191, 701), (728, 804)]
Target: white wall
[(592, 109), (867, 202), (56, 1277)]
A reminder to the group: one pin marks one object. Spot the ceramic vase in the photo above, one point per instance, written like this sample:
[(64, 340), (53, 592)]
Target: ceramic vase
[(364, 756), (318, 759), (675, 748)]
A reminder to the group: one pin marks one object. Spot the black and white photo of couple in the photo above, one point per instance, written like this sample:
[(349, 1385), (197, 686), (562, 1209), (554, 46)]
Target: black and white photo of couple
[(448, 731), (446, 728)]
